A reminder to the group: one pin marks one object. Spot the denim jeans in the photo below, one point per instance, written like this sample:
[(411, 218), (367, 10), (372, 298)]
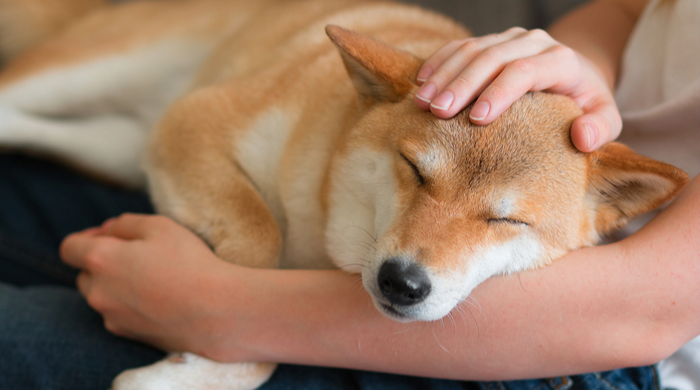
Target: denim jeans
[(51, 339)]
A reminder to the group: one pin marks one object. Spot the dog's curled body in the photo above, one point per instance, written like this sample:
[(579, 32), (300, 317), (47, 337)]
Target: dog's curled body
[(284, 148), (281, 112)]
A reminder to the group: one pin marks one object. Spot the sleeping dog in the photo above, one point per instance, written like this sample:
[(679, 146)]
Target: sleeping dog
[(284, 140)]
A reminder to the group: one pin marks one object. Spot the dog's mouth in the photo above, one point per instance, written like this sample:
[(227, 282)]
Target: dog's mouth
[(392, 312)]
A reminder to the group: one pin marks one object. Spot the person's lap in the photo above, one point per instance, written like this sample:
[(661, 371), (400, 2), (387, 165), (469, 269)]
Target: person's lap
[(51, 339)]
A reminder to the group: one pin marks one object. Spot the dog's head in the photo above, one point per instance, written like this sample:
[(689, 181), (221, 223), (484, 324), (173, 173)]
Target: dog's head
[(427, 208)]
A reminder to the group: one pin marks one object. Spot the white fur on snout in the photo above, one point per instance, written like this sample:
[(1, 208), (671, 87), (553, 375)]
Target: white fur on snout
[(362, 204), (450, 287)]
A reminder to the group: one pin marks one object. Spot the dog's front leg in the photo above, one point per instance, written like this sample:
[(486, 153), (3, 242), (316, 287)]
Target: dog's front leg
[(203, 188), (231, 216), (194, 177), (224, 209)]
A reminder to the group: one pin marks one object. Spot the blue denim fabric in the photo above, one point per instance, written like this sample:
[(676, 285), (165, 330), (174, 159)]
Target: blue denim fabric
[(40, 204), (50, 339), (289, 377)]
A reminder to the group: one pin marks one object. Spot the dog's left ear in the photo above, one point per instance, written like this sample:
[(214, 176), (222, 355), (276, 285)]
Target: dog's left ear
[(378, 71), (624, 184)]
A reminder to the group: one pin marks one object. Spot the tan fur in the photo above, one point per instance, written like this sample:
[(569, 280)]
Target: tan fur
[(24, 23), (294, 83), (274, 55), (295, 150), (126, 27)]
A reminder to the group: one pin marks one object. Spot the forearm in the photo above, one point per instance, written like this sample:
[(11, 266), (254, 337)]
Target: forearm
[(599, 31), (565, 318)]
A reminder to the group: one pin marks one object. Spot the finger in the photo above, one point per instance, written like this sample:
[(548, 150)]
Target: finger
[(598, 126), (452, 59), (93, 231), (129, 226), (84, 282), (89, 252), (484, 69), (436, 59), (74, 248), (429, 90), (555, 68)]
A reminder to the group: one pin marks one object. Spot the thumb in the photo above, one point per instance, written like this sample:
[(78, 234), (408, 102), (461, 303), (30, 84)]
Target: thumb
[(128, 226), (599, 125)]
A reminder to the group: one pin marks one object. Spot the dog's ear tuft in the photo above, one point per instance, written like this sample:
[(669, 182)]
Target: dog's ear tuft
[(624, 184), (378, 71)]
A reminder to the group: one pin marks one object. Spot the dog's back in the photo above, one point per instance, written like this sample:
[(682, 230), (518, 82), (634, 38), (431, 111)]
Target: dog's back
[(118, 67)]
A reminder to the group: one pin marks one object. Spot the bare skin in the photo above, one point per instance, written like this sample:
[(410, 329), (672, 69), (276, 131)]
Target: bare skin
[(579, 57), (626, 304)]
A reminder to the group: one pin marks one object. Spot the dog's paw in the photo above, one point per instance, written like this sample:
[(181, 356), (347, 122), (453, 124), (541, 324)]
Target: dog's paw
[(191, 372)]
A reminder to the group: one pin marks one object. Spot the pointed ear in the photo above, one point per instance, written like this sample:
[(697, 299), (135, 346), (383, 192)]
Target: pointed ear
[(378, 71), (624, 184)]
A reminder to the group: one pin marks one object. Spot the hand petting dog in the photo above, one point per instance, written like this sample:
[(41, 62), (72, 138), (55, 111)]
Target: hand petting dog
[(498, 69)]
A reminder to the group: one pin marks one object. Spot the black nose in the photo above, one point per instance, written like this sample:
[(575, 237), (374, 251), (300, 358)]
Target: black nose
[(403, 283)]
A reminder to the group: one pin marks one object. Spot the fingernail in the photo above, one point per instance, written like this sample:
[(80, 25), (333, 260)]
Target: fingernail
[(424, 74), (591, 136), (443, 101), (479, 111), (427, 92)]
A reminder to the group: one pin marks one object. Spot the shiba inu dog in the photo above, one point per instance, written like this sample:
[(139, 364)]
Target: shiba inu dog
[(286, 141)]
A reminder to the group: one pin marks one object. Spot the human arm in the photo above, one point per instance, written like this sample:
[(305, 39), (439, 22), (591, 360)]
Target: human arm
[(498, 69), (625, 304)]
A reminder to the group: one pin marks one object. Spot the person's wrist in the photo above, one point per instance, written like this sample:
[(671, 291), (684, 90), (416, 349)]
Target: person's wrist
[(223, 315), (594, 69)]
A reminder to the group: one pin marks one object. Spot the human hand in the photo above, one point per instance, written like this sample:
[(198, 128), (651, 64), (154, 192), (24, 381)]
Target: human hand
[(500, 68), (152, 280)]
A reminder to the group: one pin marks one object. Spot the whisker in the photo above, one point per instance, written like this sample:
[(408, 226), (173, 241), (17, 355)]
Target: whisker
[(365, 245), (478, 330), (521, 283), (358, 281), (407, 327), (463, 314), (452, 320), (342, 267), (438, 342), (365, 231), (472, 301)]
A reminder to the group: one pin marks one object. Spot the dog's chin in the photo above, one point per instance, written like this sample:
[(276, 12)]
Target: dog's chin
[(406, 314), (392, 313)]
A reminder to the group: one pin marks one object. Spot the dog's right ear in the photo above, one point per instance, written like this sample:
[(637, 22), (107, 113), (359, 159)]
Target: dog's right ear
[(622, 184), (378, 71)]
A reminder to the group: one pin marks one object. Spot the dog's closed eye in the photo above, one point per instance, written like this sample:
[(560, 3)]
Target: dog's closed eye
[(507, 220), (415, 169)]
